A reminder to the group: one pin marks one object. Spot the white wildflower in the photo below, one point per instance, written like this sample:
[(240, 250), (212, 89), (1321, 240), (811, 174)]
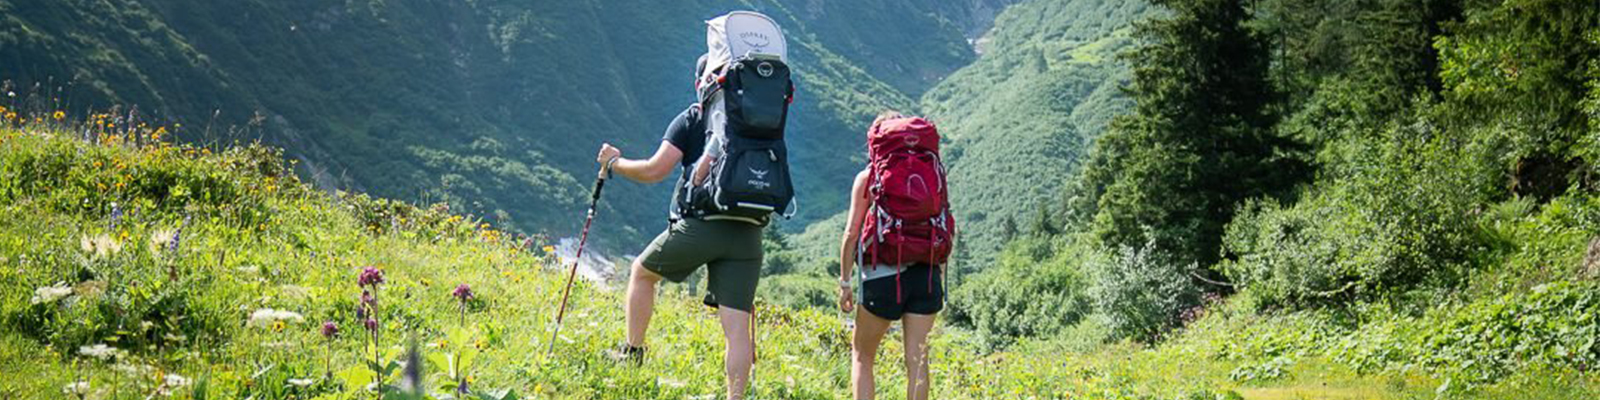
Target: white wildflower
[(266, 316), (100, 351), (100, 246), (175, 381), (79, 388), (160, 239), (50, 294), (669, 382), (301, 382), (295, 292)]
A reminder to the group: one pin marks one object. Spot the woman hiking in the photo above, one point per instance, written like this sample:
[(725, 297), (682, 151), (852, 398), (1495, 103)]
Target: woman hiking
[(901, 232)]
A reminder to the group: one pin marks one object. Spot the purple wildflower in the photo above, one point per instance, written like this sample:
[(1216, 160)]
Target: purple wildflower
[(463, 292), (371, 276), (330, 330), (372, 324), (177, 236), (462, 388), (366, 298), (361, 311), (116, 215)]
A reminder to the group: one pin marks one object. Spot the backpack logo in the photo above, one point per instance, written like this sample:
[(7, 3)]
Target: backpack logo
[(757, 40), (759, 181)]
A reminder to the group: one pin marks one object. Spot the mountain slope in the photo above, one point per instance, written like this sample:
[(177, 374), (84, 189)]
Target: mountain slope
[(1021, 117), (494, 106)]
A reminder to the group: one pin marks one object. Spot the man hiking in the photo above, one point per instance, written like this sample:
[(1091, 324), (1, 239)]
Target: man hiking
[(742, 91)]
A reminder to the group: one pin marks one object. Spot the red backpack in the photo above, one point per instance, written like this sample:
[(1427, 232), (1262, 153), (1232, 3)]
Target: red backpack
[(909, 220)]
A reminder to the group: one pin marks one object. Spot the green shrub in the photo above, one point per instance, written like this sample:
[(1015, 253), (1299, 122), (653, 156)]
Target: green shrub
[(1035, 289), (1142, 293), (1393, 215)]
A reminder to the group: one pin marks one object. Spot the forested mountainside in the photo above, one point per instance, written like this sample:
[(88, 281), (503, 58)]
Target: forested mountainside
[(493, 106)]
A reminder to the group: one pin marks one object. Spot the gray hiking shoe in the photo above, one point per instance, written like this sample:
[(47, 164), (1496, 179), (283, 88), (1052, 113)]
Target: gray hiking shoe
[(625, 354)]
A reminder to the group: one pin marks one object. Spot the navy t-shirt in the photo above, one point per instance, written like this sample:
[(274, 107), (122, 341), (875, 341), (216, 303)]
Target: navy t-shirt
[(688, 133)]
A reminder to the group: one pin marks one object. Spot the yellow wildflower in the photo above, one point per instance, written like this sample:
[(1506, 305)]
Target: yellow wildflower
[(59, 115), (549, 249)]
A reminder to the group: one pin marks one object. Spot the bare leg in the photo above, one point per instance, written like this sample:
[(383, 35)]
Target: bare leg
[(864, 352), (641, 302), (917, 327), (740, 349)]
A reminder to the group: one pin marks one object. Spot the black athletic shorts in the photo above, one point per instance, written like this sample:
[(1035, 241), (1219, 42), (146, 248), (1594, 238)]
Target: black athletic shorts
[(920, 291)]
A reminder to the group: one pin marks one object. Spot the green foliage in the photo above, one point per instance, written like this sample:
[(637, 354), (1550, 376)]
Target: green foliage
[(1142, 292), (1518, 70), (1399, 221), (1199, 140), (1020, 118), (1036, 288)]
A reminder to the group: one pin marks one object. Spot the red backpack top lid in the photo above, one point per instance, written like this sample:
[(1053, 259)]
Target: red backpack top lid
[(901, 134)]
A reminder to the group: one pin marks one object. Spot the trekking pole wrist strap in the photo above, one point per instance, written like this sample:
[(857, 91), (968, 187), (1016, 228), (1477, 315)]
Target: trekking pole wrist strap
[(610, 163)]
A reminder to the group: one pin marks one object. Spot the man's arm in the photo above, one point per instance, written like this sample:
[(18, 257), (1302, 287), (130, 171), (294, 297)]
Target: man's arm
[(702, 170), (651, 170)]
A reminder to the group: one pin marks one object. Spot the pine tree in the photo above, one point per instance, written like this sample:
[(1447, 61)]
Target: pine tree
[(1199, 140)]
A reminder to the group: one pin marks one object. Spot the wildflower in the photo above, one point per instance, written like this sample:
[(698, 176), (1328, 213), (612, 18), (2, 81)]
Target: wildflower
[(175, 380), (177, 236), (100, 351), (548, 249), (330, 330), (301, 382), (59, 115), (116, 215), (278, 326), (371, 324), (100, 245), (361, 311), (49, 294), (161, 240), (462, 388), (371, 276), (79, 388), (367, 299), (271, 317), (462, 292)]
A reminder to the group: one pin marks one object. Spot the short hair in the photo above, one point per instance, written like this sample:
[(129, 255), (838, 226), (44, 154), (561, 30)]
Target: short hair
[(887, 115)]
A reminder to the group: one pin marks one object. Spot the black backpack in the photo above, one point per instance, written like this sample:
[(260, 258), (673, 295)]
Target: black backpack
[(749, 103)]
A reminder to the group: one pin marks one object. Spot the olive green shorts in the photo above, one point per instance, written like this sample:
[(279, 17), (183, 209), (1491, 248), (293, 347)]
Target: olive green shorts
[(730, 250)]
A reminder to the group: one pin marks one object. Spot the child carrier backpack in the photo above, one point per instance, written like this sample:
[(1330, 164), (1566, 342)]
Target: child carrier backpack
[(745, 95), (909, 219)]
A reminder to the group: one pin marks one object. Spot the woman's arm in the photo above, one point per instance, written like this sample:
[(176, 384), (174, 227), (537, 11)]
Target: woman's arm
[(852, 228)]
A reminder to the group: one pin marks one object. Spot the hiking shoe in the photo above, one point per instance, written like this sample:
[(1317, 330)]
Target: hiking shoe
[(625, 354)]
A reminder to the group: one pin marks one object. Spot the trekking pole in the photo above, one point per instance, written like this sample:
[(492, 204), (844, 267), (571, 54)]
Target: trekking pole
[(594, 198)]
